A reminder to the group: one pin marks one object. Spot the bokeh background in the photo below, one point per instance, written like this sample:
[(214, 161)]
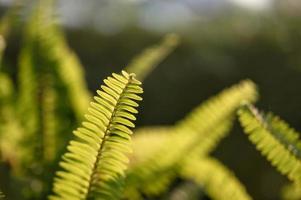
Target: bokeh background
[(222, 42)]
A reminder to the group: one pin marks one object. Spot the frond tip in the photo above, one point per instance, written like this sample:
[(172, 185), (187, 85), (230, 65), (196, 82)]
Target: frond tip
[(274, 139), (96, 160)]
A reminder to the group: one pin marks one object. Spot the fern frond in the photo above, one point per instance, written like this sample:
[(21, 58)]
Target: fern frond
[(218, 182), (97, 158), (66, 64), (44, 52), (10, 130), (42, 56), (69, 69), (197, 134), (274, 139), (291, 192), (27, 101), (49, 42), (148, 60)]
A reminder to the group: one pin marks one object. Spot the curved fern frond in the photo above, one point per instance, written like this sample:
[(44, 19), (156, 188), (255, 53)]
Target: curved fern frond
[(57, 53), (69, 69), (27, 102), (42, 79), (197, 134), (274, 139), (96, 160), (147, 61), (291, 192), (218, 182), (45, 48)]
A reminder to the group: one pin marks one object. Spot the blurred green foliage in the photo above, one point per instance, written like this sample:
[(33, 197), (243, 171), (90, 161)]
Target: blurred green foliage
[(48, 101), (228, 48)]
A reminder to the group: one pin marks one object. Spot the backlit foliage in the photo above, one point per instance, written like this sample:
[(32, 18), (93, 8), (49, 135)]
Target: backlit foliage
[(195, 135), (49, 97), (274, 139), (95, 162)]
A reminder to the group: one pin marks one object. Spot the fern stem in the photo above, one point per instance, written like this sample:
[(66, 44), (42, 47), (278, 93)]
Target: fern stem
[(93, 174)]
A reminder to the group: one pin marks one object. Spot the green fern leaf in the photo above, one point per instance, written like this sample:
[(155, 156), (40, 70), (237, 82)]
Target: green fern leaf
[(48, 70), (68, 68), (62, 59), (45, 48), (274, 139), (96, 160), (218, 182)]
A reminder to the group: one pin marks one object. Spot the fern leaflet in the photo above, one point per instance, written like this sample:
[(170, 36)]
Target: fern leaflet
[(274, 139)]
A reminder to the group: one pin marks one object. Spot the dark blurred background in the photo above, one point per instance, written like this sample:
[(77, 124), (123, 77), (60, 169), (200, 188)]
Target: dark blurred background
[(222, 42)]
